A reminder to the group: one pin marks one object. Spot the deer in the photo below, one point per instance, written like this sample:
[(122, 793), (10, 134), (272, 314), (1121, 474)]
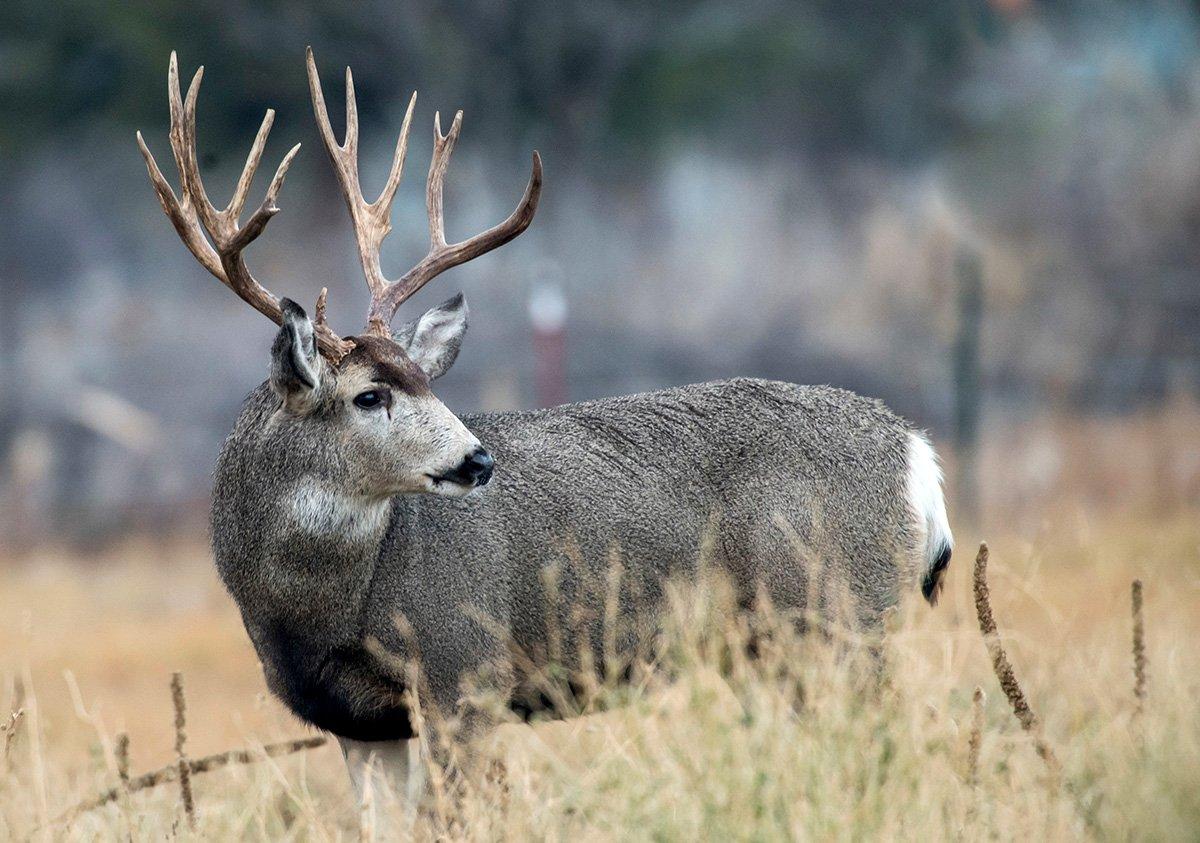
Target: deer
[(360, 525)]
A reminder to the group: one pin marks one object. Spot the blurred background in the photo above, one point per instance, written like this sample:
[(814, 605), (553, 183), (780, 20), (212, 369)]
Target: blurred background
[(984, 213)]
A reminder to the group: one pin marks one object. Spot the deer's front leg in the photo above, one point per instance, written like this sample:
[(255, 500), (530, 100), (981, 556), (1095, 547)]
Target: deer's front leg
[(388, 777)]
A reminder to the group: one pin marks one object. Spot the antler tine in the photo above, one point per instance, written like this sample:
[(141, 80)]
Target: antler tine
[(183, 142), (181, 211), (442, 256), (194, 216), (175, 104), (443, 148), (389, 189), (351, 144), (319, 316), (262, 215), (238, 201)]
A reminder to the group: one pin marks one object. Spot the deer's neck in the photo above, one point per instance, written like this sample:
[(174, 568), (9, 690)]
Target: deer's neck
[(328, 543), (304, 563), (304, 594)]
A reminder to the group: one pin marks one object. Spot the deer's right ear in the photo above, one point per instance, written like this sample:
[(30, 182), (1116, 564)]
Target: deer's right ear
[(296, 367), (433, 339)]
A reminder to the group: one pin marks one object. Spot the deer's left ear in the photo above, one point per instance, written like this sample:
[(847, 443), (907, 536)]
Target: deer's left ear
[(432, 340), (296, 366)]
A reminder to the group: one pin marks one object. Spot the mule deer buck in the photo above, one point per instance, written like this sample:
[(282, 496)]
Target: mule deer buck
[(348, 495)]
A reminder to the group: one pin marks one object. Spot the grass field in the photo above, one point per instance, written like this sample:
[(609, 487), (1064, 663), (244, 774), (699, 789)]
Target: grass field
[(797, 745)]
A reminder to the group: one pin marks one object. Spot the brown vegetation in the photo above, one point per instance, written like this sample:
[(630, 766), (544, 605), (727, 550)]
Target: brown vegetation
[(794, 744)]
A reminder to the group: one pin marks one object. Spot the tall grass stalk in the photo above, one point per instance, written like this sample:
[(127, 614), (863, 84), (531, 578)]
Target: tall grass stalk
[(1140, 660), (975, 741), (1003, 667), (9, 730), (185, 771)]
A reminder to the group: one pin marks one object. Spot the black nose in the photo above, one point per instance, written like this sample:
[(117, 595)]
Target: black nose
[(476, 468)]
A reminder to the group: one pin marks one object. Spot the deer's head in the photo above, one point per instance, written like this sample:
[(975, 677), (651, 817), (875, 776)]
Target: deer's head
[(368, 397)]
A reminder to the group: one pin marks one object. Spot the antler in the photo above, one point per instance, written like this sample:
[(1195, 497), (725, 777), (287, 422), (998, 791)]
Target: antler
[(372, 220), (194, 215)]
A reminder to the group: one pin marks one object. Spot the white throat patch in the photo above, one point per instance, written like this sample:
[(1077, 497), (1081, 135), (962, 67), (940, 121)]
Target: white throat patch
[(320, 511)]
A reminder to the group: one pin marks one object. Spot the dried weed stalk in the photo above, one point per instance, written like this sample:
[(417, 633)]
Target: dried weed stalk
[(170, 773), (185, 773), (121, 751), (1140, 662), (9, 731), (975, 741), (1003, 668)]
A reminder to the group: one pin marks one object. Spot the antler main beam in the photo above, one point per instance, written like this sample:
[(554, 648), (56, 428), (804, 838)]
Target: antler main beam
[(372, 220), (194, 216)]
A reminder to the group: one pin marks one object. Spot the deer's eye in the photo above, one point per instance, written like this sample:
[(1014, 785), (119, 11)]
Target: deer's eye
[(370, 399)]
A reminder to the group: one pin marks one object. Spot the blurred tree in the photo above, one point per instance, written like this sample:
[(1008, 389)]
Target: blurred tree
[(872, 77)]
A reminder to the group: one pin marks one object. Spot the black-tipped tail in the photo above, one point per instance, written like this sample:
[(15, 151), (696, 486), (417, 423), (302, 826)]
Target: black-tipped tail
[(931, 586)]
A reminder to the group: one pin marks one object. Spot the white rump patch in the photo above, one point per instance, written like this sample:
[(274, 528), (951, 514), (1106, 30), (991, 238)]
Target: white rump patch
[(321, 511), (927, 502)]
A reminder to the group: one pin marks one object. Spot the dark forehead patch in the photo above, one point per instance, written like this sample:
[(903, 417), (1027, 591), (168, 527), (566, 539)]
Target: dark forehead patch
[(389, 364)]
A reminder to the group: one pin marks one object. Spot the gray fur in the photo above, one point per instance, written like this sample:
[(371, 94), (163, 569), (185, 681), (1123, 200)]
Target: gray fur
[(780, 482)]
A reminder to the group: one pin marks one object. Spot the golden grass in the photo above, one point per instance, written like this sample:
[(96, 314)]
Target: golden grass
[(802, 743)]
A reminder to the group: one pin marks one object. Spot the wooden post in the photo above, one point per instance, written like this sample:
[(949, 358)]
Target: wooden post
[(968, 271), (548, 314)]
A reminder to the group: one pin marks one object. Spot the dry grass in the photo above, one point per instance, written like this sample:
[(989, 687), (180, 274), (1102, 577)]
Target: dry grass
[(800, 744)]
